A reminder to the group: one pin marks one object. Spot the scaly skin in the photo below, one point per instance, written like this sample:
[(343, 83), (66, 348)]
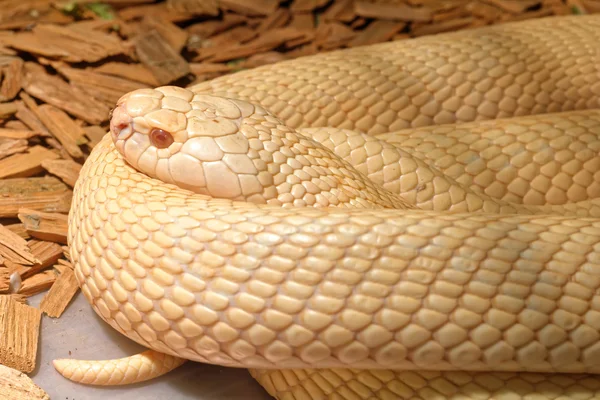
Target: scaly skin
[(546, 159), (267, 282)]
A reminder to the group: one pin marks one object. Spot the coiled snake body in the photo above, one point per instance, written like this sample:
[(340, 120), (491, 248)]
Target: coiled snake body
[(279, 219)]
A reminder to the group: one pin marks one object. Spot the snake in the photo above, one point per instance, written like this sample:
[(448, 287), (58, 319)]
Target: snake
[(407, 220)]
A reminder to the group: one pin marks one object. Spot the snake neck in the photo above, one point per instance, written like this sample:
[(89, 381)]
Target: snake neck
[(295, 170)]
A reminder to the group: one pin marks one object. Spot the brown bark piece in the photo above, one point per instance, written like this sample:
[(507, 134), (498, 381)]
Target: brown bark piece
[(208, 28), (20, 327), (399, 12), (307, 5), (25, 164), (18, 229), (194, 7), (160, 9), (71, 45), (131, 72), (60, 294), (59, 93), (11, 84), (483, 10), (544, 12), (14, 248), (277, 19), (52, 227), (15, 385), (592, 6), (209, 68), (250, 7), (156, 53), (27, 114), (445, 26), (239, 34), (268, 57), (303, 21), (8, 109), (342, 10), (332, 35), (4, 278), (9, 147), (16, 134), (46, 194), (19, 298), (91, 78), (377, 31), (95, 133), (173, 34), (67, 170), (513, 6), (37, 283), (63, 128), (47, 253)]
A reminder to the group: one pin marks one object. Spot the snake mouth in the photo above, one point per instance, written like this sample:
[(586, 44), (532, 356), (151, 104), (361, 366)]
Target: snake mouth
[(121, 123)]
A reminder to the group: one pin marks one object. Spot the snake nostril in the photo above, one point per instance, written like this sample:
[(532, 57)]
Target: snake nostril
[(161, 138)]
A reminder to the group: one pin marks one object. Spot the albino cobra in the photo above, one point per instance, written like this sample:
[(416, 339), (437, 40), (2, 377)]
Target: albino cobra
[(279, 219)]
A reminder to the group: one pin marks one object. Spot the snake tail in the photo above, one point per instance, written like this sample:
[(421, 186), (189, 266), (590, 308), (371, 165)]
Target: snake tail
[(137, 368)]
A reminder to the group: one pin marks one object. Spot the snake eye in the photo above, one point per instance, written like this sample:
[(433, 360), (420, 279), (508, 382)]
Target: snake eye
[(160, 138)]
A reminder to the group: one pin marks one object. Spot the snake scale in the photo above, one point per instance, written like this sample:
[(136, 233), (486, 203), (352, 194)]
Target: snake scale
[(407, 220)]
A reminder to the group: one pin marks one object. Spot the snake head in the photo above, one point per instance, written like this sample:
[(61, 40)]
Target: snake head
[(180, 137)]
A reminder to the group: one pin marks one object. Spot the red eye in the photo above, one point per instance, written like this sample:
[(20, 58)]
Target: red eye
[(161, 138)]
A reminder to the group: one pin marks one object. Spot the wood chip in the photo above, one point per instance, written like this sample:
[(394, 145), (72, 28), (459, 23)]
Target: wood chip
[(206, 29), (278, 19), (342, 11), (59, 93), (194, 7), (174, 35), (378, 31), (119, 86), (513, 6), (165, 63), (63, 128), (15, 385), (95, 134), (398, 12), (46, 194), (303, 21), (17, 134), (20, 327), (8, 109), (18, 229), (25, 164), (11, 84), (37, 283), (12, 146), (162, 10), (4, 278), (52, 227), (67, 170), (307, 5), (14, 248), (72, 45), (131, 72), (250, 7), (332, 35), (60, 294), (483, 10), (28, 116), (19, 298), (443, 26), (47, 253)]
